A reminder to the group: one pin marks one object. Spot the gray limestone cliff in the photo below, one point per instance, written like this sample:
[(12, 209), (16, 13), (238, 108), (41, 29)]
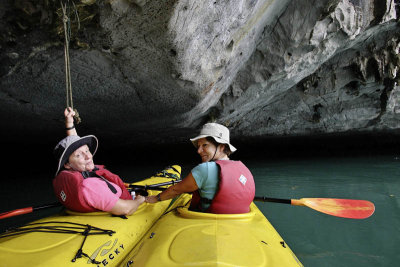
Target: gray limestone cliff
[(153, 71)]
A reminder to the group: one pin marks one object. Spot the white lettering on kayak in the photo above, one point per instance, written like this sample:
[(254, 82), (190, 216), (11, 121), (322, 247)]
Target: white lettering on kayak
[(108, 253)]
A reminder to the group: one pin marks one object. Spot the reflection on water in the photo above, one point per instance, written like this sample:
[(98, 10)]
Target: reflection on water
[(317, 239)]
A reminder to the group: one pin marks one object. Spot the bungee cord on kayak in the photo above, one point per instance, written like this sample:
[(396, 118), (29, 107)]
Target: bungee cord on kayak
[(62, 228), (56, 227)]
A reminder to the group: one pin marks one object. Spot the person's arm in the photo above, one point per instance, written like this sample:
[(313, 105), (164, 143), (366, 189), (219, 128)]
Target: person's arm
[(188, 184), (127, 207), (69, 114), (98, 195)]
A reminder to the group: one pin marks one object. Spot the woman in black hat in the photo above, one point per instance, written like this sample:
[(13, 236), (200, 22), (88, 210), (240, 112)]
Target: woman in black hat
[(82, 186)]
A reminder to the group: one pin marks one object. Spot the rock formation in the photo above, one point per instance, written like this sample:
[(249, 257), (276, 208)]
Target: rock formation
[(153, 71)]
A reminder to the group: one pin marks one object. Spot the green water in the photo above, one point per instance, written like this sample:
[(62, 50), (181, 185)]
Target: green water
[(317, 239), (322, 240)]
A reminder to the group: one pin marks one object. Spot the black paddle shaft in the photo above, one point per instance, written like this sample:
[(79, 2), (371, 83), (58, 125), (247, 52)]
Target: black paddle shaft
[(269, 199), (45, 206)]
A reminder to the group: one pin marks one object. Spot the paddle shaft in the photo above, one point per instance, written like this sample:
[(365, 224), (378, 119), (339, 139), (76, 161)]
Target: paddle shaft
[(294, 202), (275, 200), (142, 189), (152, 186), (51, 205), (28, 210), (145, 187)]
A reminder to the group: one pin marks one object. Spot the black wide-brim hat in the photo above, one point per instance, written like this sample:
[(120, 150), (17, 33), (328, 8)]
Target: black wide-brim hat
[(69, 144)]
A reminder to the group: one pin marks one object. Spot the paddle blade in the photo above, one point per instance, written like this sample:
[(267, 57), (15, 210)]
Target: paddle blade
[(346, 208), (15, 212)]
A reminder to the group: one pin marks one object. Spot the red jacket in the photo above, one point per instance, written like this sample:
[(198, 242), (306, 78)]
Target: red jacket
[(236, 189), (68, 188)]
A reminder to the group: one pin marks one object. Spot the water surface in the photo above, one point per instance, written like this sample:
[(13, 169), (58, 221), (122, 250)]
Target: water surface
[(323, 240)]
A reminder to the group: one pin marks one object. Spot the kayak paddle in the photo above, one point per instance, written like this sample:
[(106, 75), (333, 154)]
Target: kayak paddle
[(151, 186), (27, 210), (346, 208), (142, 189)]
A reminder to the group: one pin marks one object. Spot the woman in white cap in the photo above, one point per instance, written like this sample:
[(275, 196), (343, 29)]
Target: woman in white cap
[(219, 185), (82, 186)]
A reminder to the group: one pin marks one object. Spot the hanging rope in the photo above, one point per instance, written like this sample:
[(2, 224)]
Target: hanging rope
[(67, 33)]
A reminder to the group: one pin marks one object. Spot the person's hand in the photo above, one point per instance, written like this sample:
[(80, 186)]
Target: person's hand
[(140, 199), (151, 199), (69, 114)]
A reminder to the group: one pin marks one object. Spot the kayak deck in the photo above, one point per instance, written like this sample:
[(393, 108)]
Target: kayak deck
[(183, 237)]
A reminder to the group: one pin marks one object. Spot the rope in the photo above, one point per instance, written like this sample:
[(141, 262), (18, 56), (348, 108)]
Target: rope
[(67, 33), (56, 227), (62, 228)]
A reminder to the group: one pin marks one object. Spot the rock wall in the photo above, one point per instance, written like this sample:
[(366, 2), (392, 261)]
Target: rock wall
[(154, 71), (334, 71)]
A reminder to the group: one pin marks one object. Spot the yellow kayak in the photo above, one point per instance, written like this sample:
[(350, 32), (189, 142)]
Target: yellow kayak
[(83, 239), (186, 238)]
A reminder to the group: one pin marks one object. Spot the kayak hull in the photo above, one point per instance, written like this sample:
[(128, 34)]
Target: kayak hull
[(60, 249), (183, 237)]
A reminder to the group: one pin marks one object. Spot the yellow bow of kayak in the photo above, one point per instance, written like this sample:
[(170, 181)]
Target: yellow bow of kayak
[(58, 246)]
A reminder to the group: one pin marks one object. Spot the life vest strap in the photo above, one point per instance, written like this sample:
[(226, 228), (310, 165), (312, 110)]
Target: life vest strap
[(93, 173)]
